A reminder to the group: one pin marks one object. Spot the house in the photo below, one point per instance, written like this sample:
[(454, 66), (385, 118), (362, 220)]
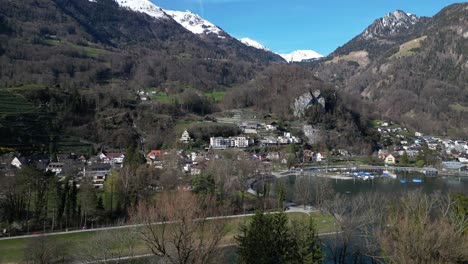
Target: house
[(454, 166), (269, 141), (185, 138), (382, 154), (16, 163), (116, 156), (270, 128), (463, 158), (154, 158), (249, 127), (98, 173), (412, 152), (390, 160), (319, 157), (55, 167)]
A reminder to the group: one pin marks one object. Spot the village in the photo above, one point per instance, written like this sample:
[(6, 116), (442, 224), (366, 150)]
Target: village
[(399, 148)]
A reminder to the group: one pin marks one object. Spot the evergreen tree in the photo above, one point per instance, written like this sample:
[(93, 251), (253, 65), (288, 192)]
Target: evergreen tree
[(270, 239)]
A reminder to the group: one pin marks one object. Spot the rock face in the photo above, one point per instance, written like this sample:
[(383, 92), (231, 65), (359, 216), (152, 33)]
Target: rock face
[(313, 135), (389, 25), (303, 102)]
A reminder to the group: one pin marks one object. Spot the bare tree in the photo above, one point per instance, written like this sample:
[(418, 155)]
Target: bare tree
[(176, 228), (420, 230), (323, 191), (304, 189), (45, 250), (355, 222)]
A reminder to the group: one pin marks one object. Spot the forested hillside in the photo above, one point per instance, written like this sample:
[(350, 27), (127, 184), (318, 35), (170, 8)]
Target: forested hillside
[(417, 75), (74, 67)]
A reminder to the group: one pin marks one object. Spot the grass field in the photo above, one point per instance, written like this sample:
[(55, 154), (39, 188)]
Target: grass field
[(12, 251), (216, 96), (89, 51), (163, 97)]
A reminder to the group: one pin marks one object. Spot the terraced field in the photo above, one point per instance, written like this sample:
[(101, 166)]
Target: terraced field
[(12, 104)]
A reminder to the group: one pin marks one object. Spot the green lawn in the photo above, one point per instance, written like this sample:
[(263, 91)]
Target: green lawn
[(216, 96), (12, 251)]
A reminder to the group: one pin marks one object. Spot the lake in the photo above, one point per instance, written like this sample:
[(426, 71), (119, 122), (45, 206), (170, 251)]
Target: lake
[(382, 185)]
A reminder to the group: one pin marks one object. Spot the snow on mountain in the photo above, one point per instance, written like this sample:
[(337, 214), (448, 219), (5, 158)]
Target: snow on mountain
[(300, 55), (143, 6), (194, 23), (391, 24), (253, 43)]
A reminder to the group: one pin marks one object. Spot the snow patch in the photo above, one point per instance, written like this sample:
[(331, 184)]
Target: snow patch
[(300, 55), (194, 23), (253, 43), (142, 6)]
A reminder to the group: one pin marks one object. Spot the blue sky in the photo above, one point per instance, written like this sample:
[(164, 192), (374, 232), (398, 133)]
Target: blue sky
[(287, 25)]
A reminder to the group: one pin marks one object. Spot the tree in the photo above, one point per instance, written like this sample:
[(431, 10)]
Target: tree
[(87, 200), (424, 228), (307, 243), (270, 239), (45, 250), (176, 228), (404, 159), (203, 184), (304, 189)]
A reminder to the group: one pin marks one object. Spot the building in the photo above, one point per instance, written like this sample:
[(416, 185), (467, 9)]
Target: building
[(219, 143), (454, 166), (241, 142), (390, 160), (55, 167), (231, 142), (98, 173), (185, 138), (16, 162)]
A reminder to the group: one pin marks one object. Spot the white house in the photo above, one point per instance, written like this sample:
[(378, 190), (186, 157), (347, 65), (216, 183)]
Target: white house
[(390, 160), (17, 163), (319, 157), (55, 167), (185, 138)]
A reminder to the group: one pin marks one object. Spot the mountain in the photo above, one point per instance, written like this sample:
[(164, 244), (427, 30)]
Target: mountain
[(74, 69), (393, 28), (301, 55), (194, 23), (143, 6), (389, 25), (253, 43), (408, 69)]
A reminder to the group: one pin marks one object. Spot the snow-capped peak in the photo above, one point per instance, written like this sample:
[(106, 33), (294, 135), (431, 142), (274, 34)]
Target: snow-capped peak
[(193, 22), (143, 6), (253, 43), (300, 55), (391, 24)]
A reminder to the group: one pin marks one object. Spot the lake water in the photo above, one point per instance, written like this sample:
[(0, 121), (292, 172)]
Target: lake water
[(382, 185)]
